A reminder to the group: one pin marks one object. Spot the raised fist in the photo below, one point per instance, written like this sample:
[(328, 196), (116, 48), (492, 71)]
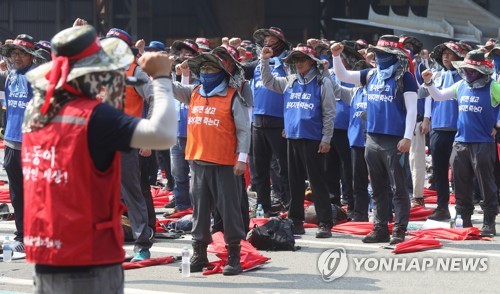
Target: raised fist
[(336, 49), (266, 53), (140, 45), (156, 64), (427, 75)]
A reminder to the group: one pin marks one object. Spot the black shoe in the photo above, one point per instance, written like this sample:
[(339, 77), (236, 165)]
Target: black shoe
[(440, 214), (488, 229), (378, 235), (324, 231), (233, 265), (171, 204), (199, 260), (466, 218), (298, 228), (360, 218), (398, 236)]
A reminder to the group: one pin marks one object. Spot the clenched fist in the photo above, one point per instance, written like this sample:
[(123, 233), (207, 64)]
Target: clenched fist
[(266, 53), (427, 75), (156, 64), (336, 49)]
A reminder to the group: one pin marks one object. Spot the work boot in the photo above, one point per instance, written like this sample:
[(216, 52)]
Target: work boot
[(488, 229), (199, 259), (378, 235), (298, 228), (324, 231), (466, 218), (440, 214), (233, 265), (398, 235), (417, 202)]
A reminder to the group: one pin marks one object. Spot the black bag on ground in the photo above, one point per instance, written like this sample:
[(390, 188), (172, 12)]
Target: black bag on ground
[(276, 235)]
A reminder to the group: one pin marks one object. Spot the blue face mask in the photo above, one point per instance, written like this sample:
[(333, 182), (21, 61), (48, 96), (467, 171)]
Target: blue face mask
[(496, 60), (385, 60), (211, 80)]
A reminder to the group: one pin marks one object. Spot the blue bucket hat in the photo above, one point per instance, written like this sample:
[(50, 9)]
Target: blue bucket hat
[(155, 46)]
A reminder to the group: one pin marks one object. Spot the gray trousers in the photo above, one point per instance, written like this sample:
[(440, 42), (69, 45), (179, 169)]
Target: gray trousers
[(134, 200), (216, 186), (384, 162), (467, 160), (107, 279)]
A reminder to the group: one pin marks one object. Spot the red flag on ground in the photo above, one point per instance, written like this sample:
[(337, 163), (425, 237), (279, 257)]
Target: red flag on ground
[(420, 213), (257, 221), (250, 258), (428, 192), (4, 196), (433, 199), (418, 243), (456, 234), (356, 228), (148, 262)]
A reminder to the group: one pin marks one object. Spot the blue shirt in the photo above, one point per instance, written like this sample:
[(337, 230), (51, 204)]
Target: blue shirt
[(476, 114), (267, 102), (445, 113), (18, 93), (341, 120), (357, 124), (303, 113)]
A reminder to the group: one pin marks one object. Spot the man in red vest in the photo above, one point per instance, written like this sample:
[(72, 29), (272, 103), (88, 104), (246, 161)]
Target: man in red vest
[(71, 159)]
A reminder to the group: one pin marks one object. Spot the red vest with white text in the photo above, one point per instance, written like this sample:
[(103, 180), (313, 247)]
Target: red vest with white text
[(73, 211)]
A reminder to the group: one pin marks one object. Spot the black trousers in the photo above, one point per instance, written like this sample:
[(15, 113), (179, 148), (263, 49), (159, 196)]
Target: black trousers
[(386, 163), (360, 181), (164, 163), (14, 169), (338, 168), (265, 143), (218, 223), (149, 169), (441, 147), (305, 161), (479, 159)]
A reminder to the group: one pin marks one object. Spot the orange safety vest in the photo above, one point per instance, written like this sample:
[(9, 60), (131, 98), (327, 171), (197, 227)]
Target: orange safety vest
[(211, 135), (133, 101)]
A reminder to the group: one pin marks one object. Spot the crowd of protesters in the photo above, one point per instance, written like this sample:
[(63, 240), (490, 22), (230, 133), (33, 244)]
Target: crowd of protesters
[(332, 117)]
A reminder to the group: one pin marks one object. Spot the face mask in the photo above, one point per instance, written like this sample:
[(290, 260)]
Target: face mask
[(472, 75), (211, 80), (385, 60)]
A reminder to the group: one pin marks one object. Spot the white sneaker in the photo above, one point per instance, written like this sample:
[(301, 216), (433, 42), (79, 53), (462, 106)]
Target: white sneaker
[(17, 246)]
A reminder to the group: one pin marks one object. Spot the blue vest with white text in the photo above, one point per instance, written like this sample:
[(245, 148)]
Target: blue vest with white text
[(476, 115), (267, 102), (18, 93), (342, 110), (445, 113), (386, 114), (303, 113), (356, 131)]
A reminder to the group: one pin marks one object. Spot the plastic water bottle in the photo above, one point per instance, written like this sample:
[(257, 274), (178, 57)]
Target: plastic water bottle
[(459, 223), (186, 264), (260, 211), (7, 250)]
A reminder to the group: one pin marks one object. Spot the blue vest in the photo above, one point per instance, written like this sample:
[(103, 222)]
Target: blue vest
[(265, 101), (18, 93), (420, 102), (341, 120), (476, 115), (182, 118), (386, 114), (356, 131), (445, 113), (303, 113)]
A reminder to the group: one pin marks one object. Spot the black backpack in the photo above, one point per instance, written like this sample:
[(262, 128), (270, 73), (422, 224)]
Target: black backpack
[(275, 235)]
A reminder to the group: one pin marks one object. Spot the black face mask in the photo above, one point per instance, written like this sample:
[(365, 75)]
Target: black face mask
[(278, 48)]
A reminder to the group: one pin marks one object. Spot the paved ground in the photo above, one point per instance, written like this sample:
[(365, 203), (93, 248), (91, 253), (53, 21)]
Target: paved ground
[(297, 272)]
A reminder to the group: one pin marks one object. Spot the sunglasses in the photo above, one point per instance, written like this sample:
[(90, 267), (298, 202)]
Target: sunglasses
[(299, 59)]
